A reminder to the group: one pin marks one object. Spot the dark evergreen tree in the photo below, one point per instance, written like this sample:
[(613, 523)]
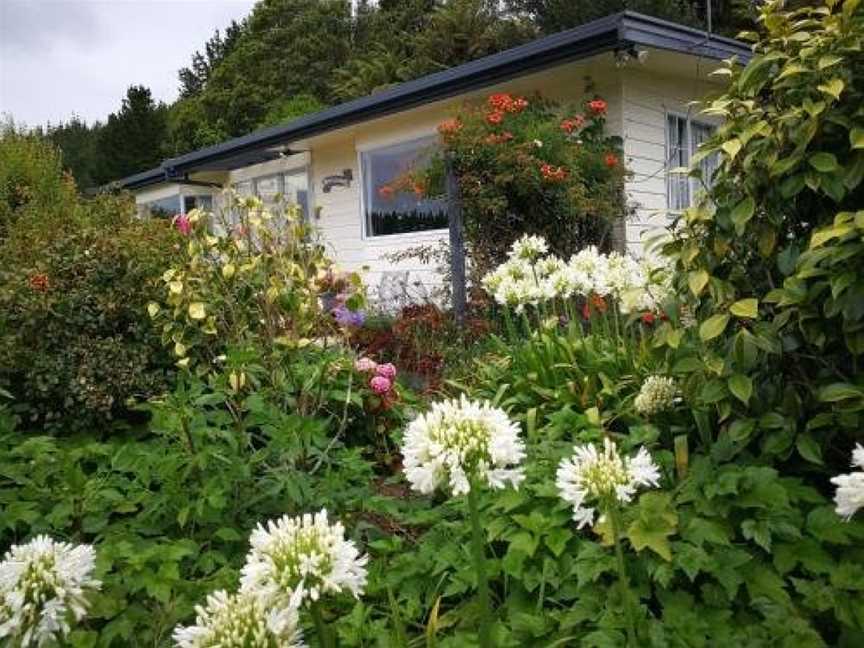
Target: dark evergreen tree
[(131, 140)]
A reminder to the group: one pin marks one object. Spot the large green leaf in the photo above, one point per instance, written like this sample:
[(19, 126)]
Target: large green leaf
[(741, 387), (745, 308), (823, 162), (713, 326), (742, 213)]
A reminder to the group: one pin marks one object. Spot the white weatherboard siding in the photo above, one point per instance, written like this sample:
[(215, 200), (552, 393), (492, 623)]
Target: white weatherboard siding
[(340, 213), (647, 99)]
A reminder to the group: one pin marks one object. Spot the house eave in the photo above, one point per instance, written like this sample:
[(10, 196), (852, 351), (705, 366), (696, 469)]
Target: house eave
[(622, 30)]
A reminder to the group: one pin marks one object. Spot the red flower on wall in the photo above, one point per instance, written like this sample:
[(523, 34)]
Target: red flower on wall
[(386, 192), (499, 138), (450, 126), (503, 102), (611, 160), (572, 123), (553, 173), (495, 117), (39, 282), (598, 106)]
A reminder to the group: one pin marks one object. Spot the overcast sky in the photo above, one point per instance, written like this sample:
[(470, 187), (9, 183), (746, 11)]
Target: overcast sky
[(59, 57)]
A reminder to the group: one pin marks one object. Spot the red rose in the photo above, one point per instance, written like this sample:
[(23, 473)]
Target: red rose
[(648, 318), (611, 160)]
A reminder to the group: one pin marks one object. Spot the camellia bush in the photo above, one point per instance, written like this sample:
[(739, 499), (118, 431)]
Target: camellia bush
[(528, 165), (75, 275)]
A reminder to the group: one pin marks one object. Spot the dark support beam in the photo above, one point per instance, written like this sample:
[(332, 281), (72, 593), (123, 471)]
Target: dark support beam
[(457, 245)]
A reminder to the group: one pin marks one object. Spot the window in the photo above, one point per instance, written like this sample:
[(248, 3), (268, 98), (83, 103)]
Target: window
[(391, 204), (163, 208), (683, 137), (197, 202), (282, 188)]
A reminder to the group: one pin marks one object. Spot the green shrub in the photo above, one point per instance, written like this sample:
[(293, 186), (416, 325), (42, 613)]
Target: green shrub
[(75, 340), (32, 180)]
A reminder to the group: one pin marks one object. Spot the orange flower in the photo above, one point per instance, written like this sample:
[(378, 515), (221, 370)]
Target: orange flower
[(503, 102), (599, 303), (611, 160), (553, 173), (598, 106), (418, 188), (39, 282), (573, 123), (495, 117), (450, 126), (495, 138), (386, 192)]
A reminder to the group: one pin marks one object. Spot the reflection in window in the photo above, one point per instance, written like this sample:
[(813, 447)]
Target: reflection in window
[(163, 208), (391, 203), (683, 137), (278, 189)]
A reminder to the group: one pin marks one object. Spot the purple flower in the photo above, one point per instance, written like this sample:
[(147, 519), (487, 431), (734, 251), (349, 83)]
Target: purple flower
[(346, 317), (387, 371), (380, 385)]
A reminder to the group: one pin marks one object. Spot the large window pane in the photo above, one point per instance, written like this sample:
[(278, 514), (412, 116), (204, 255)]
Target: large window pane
[(296, 190), (197, 202), (391, 204), (163, 208)]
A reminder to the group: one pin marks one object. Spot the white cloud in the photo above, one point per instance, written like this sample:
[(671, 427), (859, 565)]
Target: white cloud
[(59, 57)]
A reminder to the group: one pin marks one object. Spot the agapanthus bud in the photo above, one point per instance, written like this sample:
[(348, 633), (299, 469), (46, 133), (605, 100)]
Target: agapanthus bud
[(657, 394)]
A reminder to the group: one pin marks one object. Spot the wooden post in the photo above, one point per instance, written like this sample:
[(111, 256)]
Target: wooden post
[(457, 244)]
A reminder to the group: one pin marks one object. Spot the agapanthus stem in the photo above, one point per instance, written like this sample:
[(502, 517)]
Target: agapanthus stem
[(623, 581), (479, 552), (324, 639)]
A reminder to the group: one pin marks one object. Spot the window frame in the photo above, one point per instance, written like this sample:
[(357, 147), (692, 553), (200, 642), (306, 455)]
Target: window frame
[(693, 184), (365, 235)]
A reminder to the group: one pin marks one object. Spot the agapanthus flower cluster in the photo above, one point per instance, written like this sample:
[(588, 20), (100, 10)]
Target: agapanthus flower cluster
[(242, 620), (657, 394), (602, 478), (306, 554), (850, 487), (43, 590), (458, 442), (382, 376), (530, 279)]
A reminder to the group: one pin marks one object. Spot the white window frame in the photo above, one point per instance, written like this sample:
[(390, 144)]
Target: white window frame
[(693, 184), (364, 225)]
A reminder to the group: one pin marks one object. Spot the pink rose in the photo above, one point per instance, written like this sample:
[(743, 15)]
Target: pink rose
[(380, 385), (366, 365), (387, 371)]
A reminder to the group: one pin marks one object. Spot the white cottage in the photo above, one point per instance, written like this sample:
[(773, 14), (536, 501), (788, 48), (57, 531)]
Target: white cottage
[(648, 70)]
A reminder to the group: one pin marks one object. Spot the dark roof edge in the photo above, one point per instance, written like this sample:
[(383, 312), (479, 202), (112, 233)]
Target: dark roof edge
[(596, 37)]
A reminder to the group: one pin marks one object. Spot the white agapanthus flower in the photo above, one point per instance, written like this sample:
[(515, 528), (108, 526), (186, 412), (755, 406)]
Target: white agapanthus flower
[(592, 477), (306, 553), (242, 620), (43, 590), (850, 487), (529, 248), (657, 394), (530, 278), (458, 441)]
